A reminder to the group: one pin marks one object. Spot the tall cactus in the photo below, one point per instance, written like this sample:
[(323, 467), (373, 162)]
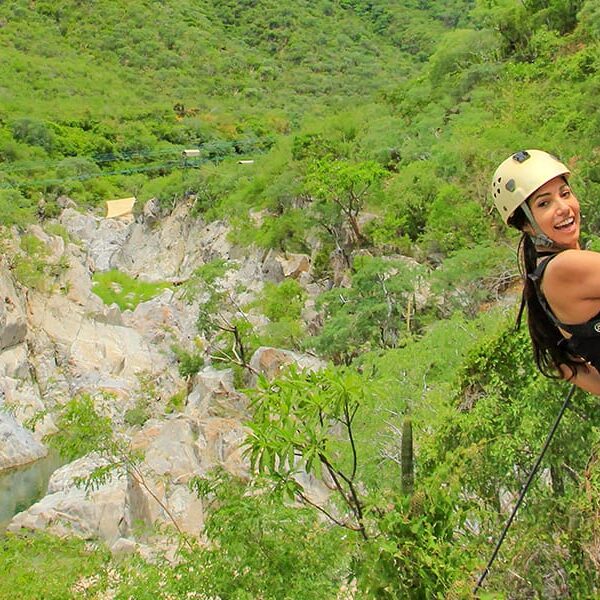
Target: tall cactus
[(406, 457)]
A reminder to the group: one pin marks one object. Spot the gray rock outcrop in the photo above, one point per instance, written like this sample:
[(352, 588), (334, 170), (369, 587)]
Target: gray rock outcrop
[(18, 446)]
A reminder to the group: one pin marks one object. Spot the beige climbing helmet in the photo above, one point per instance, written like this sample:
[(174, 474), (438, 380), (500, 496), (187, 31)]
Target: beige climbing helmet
[(520, 175)]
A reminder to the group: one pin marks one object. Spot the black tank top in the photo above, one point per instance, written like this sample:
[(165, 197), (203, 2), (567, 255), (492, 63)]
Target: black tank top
[(585, 340)]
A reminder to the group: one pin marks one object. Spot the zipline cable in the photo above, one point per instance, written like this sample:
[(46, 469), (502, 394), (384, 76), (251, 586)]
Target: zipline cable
[(524, 490), (129, 155), (180, 163)]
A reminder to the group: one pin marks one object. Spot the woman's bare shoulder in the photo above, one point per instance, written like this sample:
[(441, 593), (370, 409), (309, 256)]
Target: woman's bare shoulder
[(573, 263), (578, 269)]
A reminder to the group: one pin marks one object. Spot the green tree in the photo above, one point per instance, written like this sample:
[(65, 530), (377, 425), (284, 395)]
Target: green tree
[(377, 311), (259, 546), (282, 304), (293, 419), (340, 189), (454, 222)]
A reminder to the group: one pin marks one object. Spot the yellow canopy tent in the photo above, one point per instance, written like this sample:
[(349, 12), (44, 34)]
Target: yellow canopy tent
[(122, 208)]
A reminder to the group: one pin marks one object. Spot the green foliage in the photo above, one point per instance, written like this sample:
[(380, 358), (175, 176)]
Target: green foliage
[(453, 222), (33, 132), (473, 276), (286, 232), (128, 91), (588, 17), (176, 402), (33, 267), (257, 548), (43, 566), (459, 50), (81, 429), (262, 548), (341, 190), (375, 312), (291, 432), (232, 335), (419, 554), (15, 208), (205, 278), (402, 111), (410, 195), (282, 304), (116, 287), (138, 414), (188, 363), (58, 230), (490, 443)]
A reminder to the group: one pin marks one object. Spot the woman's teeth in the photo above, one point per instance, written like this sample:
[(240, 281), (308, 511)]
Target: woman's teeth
[(566, 223)]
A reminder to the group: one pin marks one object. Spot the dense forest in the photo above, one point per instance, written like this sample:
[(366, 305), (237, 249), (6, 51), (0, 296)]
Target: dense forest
[(374, 128)]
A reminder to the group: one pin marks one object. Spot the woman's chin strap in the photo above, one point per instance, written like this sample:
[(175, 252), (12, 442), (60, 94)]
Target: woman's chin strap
[(540, 239)]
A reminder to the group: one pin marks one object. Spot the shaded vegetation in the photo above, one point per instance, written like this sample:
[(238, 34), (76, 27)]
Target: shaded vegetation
[(374, 130)]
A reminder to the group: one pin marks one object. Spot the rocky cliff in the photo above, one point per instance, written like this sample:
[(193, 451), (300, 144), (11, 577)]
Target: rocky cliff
[(59, 340)]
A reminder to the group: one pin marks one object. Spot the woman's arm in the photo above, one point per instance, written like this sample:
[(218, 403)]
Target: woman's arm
[(587, 378)]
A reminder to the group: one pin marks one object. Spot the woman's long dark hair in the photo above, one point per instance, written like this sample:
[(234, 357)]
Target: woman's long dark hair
[(549, 346)]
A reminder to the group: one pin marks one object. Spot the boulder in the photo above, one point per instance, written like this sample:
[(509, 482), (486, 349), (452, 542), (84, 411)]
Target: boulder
[(18, 446), (213, 394), (294, 265), (69, 510), (272, 361)]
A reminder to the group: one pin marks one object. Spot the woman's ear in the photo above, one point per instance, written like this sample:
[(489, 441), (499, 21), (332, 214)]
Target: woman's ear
[(527, 228)]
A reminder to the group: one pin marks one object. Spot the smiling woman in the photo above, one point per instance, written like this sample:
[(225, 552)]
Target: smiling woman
[(556, 211), (561, 282)]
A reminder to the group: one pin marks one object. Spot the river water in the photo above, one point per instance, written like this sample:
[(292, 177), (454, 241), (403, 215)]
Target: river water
[(23, 486)]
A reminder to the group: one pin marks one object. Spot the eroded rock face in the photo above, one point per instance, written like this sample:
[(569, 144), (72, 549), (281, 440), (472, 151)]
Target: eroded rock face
[(13, 318), (18, 446), (272, 361), (154, 492), (83, 344), (103, 238), (213, 394), (57, 345)]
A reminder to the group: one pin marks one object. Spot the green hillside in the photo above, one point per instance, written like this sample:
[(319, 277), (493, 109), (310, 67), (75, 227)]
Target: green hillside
[(124, 87), (374, 128)]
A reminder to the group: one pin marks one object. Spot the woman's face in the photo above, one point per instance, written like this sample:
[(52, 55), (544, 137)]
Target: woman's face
[(556, 210)]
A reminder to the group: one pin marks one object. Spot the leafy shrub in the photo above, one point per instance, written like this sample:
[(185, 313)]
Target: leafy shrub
[(458, 50), (54, 569), (188, 363), (16, 209), (373, 313), (176, 402), (33, 132), (32, 267), (409, 195), (81, 429), (77, 168), (589, 19), (454, 222), (286, 299), (472, 276), (137, 415), (286, 232), (282, 304), (115, 287)]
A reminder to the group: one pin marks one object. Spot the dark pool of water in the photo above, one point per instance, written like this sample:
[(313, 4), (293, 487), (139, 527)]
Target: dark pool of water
[(23, 486)]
